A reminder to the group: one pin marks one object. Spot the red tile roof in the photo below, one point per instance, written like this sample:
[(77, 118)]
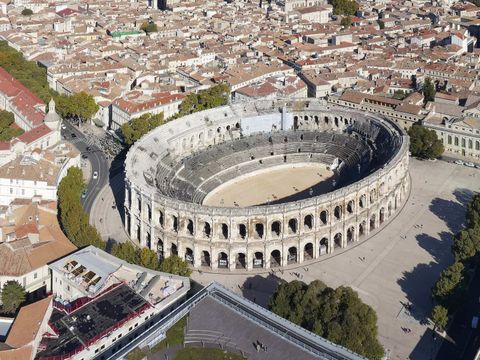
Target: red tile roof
[(34, 134), (21, 98)]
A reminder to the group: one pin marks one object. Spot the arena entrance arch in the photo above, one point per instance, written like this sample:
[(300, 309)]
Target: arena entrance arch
[(160, 252), (275, 259), (292, 255), (350, 234), (258, 260), (337, 240), (323, 246), (240, 261), (223, 260), (308, 251), (362, 228), (205, 259), (372, 222), (173, 249), (189, 256)]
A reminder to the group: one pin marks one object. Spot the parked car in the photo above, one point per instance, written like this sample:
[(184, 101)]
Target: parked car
[(470, 164), (459, 162), (477, 166), (84, 156), (95, 174), (73, 135), (64, 126), (84, 194)]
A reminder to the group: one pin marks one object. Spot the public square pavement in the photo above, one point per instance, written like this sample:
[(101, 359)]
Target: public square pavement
[(402, 260)]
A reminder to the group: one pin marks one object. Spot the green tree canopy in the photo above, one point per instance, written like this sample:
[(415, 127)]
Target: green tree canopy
[(346, 21), (466, 244), (175, 265), (149, 27), (80, 105), (428, 90), (136, 128), (13, 295), (424, 143), (445, 291), (473, 212), (27, 12), (336, 314), (136, 255), (73, 219), (6, 131), (344, 7), (215, 96), (439, 317)]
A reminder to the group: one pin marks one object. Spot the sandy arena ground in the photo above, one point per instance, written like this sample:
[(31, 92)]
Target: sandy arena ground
[(402, 260), (279, 183)]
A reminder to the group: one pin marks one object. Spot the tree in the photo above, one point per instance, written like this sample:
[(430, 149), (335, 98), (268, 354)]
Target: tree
[(27, 12), (445, 289), (439, 317), (13, 295), (344, 7), (7, 132), (148, 27), (148, 259), (135, 255), (336, 314), (399, 94), (73, 219), (175, 265), (473, 212), (424, 143), (217, 95), (80, 105), (346, 21), (136, 128), (428, 90), (466, 244)]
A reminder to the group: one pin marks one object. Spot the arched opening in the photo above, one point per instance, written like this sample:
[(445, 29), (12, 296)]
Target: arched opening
[(292, 226), (189, 255), (323, 248), (174, 223), (337, 212), (373, 195), (389, 209), (324, 217), (190, 227), (308, 251), (362, 201), (242, 231), (259, 231), (160, 252), (336, 121), (258, 260), (337, 240), (350, 234), (292, 255), (308, 222), (316, 120), (224, 230), (222, 260), (382, 215), (362, 228), (275, 259), (325, 119), (149, 212), (351, 206), (207, 229), (372, 222), (148, 240), (173, 250), (275, 228), (205, 260), (138, 233), (240, 261)]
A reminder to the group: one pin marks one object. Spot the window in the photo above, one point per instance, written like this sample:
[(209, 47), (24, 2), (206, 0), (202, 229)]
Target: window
[(11, 190), (35, 275)]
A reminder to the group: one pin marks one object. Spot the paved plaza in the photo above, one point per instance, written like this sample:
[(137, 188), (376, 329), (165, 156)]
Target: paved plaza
[(402, 260)]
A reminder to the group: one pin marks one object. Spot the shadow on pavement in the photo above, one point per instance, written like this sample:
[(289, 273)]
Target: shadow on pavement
[(417, 284), (259, 289), (450, 211), (426, 348), (438, 248)]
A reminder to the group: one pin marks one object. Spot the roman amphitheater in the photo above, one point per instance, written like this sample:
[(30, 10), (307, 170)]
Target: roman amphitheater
[(264, 184)]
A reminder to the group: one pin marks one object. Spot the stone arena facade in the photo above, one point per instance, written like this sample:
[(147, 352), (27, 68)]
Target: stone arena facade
[(164, 193)]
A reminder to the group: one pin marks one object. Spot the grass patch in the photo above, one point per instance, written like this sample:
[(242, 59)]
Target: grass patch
[(205, 354), (174, 336), (136, 354)]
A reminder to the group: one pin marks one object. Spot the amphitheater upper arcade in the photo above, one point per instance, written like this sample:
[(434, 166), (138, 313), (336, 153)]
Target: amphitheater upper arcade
[(260, 236)]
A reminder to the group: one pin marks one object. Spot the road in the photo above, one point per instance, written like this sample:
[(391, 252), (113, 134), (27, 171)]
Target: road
[(97, 160)]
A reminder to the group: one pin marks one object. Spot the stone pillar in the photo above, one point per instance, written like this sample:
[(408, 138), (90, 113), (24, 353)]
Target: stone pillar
[(300, 254), (249, 261)]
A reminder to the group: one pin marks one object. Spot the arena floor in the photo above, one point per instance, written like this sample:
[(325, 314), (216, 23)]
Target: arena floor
[(278, 184)]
